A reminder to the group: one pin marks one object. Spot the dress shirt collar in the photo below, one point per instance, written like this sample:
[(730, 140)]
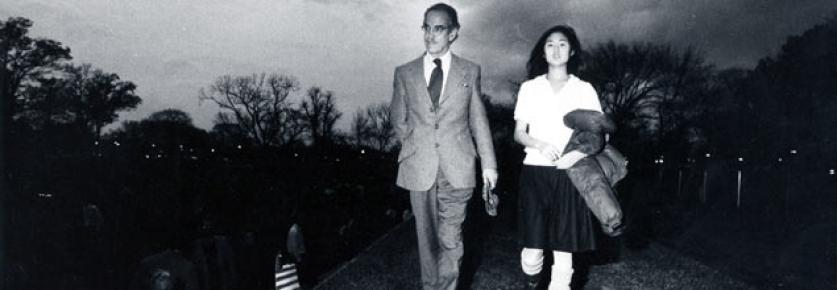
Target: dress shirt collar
[(429, 65)]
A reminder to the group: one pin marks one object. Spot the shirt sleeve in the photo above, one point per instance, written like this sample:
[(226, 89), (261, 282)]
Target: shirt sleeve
[(590, 101), (522, 110)]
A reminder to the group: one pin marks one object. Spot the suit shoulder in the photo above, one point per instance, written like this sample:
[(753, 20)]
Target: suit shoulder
[(406, 65), (467, 64), (401, 67)]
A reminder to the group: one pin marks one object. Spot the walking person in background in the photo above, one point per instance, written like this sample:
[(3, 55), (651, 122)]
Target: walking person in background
[(438, 118), (553, 215)]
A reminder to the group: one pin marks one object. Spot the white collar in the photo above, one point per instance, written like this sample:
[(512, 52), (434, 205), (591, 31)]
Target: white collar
[(446, 59), (570, 78)]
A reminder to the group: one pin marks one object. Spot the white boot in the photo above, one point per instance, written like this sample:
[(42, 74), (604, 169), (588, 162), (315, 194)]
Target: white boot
[(561, 279), (562, 271)]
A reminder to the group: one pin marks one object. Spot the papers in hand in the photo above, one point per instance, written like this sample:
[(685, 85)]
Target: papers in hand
[(491, 199)]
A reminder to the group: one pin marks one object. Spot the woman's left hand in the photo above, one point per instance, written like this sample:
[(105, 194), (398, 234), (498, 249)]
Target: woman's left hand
[(568, 160)]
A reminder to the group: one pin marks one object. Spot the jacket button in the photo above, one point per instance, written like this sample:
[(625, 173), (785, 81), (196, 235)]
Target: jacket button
[(437, 126), (437, 145)]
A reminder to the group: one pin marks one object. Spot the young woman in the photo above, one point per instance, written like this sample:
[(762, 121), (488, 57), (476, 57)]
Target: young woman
[(553, 216)]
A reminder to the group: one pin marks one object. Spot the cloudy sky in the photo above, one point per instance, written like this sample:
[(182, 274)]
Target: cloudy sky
[(172, 48)]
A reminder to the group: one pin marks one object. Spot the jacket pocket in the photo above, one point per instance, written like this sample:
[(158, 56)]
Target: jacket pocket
[(407, 150), (466, 144), (408, 147)]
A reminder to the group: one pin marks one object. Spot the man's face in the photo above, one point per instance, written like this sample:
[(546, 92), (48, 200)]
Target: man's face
[(438, 33)]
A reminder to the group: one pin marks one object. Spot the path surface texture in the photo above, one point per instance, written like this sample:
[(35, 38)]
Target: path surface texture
[(492, 262)]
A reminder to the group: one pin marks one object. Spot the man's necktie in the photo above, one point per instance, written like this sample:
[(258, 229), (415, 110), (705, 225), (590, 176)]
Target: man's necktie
[(435, 86)]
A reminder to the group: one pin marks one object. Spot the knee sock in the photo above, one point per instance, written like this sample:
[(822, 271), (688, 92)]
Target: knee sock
[(562, 271), (531, 260)]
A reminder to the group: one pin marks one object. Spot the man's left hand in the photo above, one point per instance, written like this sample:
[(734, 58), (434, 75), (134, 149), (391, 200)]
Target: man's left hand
[(489, 176)]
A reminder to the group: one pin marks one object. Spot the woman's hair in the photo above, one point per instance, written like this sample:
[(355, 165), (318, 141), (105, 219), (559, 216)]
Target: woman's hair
[(537, 64)]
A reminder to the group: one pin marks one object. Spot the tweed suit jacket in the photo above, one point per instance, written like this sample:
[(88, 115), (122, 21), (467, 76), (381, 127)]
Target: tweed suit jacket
[(450, 137)]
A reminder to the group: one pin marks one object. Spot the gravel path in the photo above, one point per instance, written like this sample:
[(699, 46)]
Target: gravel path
[(491, 262)]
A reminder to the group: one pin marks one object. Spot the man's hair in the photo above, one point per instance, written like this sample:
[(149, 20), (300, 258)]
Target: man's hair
[(447, 9), (537, 64)]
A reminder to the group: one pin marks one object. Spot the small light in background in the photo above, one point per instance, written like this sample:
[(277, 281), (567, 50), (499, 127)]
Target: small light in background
[(708, 155), (153, 145), (780, 159), (831, 171), (793, 151), (96, 143), (239, 147), (362, 151), (212, 150), (740, 159), (147, 157), (116, 143)]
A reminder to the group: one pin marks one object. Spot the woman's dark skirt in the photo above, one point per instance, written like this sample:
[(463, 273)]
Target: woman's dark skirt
[(552, 214)]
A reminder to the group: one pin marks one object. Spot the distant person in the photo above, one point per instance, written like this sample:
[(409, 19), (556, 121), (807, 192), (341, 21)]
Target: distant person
[(438, 118), (296, 243), (167, 270), (553, 215), (214, 257)]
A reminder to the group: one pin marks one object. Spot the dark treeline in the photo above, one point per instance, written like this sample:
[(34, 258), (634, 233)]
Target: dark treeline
[(88, 209), (84, 208)]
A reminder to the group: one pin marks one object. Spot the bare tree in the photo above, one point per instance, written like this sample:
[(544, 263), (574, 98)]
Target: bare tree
[(319, 114), (258, 104), (653, 92), (626, 78), (371, 127), (360, 128)]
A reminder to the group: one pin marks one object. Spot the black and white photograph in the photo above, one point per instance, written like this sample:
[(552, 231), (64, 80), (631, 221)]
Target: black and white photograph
[(430, 144)]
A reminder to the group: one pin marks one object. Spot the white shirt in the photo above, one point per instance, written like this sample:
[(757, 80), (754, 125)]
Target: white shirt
[(544, 111), (429, 66)]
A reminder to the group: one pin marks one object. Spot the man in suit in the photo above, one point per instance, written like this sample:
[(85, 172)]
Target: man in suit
[(439, 118)]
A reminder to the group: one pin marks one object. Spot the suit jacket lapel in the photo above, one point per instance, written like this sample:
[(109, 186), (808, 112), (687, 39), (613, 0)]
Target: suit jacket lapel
[(416, 76), (454, 78)]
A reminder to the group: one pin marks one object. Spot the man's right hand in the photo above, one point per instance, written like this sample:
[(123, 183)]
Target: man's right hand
[(489, 177)]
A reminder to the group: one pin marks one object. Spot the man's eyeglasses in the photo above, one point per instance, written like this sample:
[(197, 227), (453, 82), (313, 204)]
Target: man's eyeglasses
[(435, 29)]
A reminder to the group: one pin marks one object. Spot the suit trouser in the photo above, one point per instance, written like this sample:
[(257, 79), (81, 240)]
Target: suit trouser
[(439, 214)]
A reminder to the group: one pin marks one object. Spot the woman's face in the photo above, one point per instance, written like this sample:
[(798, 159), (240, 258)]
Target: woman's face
[(557, 49)]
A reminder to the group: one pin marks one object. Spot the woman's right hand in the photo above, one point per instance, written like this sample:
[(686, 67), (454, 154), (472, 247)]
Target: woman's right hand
[(549, 151)]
